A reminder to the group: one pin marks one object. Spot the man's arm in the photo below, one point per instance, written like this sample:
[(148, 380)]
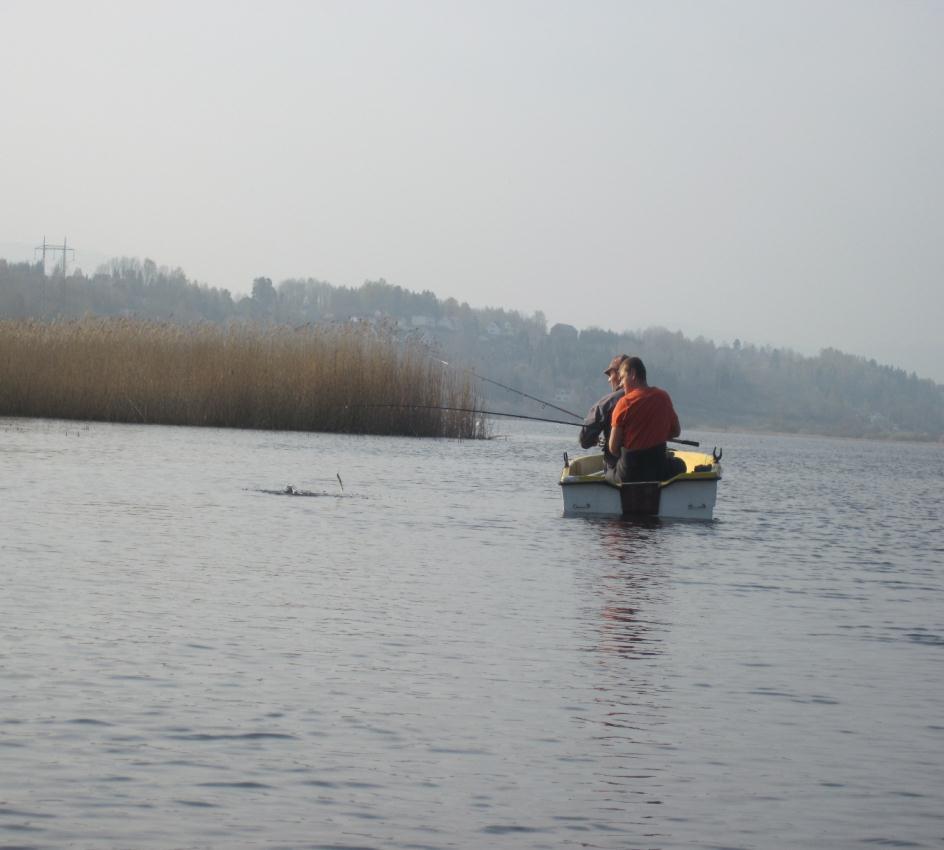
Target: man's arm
[(616, 440), (592, 427), (676, 428)]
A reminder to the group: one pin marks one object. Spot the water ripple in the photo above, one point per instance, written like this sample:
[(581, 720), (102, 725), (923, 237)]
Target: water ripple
[(188, 664)]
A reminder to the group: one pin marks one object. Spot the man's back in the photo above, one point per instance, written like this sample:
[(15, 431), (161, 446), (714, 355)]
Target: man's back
[(647, 418)]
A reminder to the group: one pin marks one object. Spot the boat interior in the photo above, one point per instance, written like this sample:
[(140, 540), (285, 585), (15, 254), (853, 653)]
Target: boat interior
[(697, 466)]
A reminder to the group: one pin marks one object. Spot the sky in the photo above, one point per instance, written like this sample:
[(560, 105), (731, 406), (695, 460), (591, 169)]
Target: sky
[(765, 171)]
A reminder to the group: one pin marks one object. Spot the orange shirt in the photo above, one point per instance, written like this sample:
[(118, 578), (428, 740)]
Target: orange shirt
[(646, 416)]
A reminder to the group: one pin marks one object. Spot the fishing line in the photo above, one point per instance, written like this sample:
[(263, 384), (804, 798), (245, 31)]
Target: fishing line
[(540, 401)]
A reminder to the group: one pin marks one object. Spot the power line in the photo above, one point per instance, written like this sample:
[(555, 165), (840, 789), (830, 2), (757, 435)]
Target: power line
[(63, 249)]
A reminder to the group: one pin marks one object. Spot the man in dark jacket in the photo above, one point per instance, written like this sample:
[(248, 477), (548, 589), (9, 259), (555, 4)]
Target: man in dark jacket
[(597, 421)]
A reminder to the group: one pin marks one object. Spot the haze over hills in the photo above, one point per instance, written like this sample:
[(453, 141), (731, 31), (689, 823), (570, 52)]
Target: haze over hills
[(736, 385), (768, 171)]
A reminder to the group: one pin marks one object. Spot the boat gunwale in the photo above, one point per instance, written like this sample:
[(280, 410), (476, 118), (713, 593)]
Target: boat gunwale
[(713, 474)]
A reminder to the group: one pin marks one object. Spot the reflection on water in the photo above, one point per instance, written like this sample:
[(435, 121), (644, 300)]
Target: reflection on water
[(436, 658), (632, 587)]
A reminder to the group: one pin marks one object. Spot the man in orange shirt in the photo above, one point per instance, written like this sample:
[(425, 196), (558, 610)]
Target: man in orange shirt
[(643, 420)]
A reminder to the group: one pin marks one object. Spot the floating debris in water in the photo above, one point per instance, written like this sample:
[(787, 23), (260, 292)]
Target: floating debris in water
[(292, 490)]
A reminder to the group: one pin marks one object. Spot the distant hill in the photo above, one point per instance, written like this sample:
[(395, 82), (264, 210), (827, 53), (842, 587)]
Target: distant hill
[(717, 386)]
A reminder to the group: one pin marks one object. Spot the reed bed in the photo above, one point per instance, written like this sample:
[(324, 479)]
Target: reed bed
[(351, 379)]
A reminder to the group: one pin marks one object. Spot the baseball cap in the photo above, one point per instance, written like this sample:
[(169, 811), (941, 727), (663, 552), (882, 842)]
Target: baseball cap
[(615, 364)]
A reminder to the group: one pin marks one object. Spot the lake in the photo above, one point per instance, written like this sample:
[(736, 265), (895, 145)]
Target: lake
[(428, 655)]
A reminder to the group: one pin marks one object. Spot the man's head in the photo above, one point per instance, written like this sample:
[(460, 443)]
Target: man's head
[(612, 371), (632, 373)]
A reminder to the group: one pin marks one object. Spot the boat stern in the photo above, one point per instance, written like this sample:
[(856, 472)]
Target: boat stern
[(689, 495)]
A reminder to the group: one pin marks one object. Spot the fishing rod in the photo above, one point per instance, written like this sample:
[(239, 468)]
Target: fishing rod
[(515, 415), (470, 410), (495, 413), (513, 390)]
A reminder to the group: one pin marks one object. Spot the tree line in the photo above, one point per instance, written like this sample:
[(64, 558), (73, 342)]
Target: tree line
[(737, 385)]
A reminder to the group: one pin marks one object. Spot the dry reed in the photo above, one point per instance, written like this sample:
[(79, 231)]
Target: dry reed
[(351, 379)]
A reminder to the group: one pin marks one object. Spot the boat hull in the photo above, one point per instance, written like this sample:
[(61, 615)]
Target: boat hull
[(691, 495)]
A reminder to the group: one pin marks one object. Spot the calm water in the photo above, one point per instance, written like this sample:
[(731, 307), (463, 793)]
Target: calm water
[(437, 659)]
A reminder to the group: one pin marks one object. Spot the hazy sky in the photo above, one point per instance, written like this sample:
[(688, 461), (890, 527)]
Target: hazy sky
[(772, 171)]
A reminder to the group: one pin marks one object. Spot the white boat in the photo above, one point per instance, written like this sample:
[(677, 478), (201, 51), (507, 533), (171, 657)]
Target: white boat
[(689, 495)]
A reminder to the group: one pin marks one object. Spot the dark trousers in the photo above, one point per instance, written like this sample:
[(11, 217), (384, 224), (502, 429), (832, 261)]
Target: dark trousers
[(650, 464)]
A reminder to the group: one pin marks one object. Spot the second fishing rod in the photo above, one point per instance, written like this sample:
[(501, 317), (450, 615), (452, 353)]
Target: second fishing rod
[(483, 412), (541, 401)]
